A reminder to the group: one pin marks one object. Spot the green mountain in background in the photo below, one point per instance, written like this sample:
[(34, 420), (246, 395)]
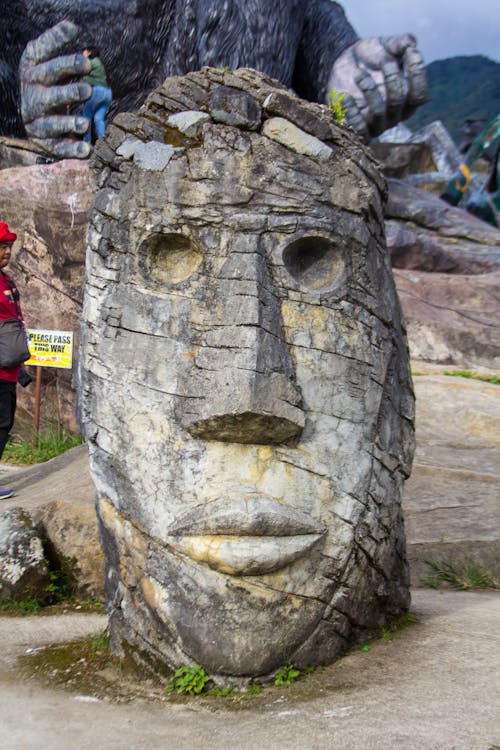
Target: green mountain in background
[(459, 88)]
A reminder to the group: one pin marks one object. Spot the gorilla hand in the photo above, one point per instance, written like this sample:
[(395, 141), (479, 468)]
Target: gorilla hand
[(384, 81), (44, 93)]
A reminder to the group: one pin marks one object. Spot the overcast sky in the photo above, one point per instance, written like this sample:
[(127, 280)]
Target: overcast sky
[(444, 28)]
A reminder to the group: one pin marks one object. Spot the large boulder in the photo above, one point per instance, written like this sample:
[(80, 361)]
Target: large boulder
[(58, 496), (23, 570), (245, 381), (447, 272), (47, 206), (451, 504)]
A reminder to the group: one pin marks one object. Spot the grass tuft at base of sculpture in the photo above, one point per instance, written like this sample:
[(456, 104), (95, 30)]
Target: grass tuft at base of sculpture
[(244, 381)]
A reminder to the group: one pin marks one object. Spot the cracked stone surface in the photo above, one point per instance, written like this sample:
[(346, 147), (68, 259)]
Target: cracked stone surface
[(245, 384)]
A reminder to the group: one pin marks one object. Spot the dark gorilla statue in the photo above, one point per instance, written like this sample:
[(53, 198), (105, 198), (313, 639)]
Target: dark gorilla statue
[(309, 46)]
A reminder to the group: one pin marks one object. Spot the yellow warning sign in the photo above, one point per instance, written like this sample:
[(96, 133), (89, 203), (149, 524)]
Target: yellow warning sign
[(50, 348)]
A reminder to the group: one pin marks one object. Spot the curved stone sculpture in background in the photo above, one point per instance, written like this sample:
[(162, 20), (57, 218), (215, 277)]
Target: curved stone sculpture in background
[(244, 381), (307, 46)]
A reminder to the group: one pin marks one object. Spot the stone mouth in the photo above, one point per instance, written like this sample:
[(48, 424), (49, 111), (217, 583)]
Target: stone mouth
[(244, 555), (250, 535)]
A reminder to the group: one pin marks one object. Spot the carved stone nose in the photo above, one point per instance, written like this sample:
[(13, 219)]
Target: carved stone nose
[(243, 388)]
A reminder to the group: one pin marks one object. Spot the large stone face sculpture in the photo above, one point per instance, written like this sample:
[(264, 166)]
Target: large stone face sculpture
[(245, 386)]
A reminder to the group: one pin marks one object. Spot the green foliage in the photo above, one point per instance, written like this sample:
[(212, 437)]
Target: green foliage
[(287, 675), (189, 680), (459, 88), (223, 692), (254, 689), (59, 588), (336, 105), (468, 576), (474, 375), (391, 629), (99, 642), (365, 649), (50, 444), (410, 618), (28, 606)]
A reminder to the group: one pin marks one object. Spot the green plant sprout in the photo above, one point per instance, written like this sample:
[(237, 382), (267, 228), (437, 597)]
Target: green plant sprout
[(189, 680), (99, 642), (223, 692), (254, 689), (335, 104), (287, 675)]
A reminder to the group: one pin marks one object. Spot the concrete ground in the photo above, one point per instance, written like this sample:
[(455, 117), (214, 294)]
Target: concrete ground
[(435, 686)]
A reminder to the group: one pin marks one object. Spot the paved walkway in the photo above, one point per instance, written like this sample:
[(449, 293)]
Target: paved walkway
[(435, 686)]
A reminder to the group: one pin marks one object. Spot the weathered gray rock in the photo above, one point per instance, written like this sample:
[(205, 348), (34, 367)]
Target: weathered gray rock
[(447, 276), (245, 387), (19, 152), (71, 530), (59, 496), (403, 159), (452, 319), (451, 507), (47, 206), (23, 570), (285, 132), (234, 107), (189, 123)]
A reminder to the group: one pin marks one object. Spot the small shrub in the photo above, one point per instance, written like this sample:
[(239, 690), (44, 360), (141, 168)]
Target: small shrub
[(189, 680), (467, 576), (335, 105), (28, 606), (287, 675)]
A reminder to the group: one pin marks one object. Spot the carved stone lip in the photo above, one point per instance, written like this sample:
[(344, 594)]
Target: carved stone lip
[(246, 515), (245, 536)]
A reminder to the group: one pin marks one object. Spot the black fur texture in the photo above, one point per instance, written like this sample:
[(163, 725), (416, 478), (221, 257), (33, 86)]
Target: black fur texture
[(143, 41)]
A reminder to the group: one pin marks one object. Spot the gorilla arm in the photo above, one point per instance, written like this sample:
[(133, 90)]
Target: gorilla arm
[(44, 95), (384, 80)]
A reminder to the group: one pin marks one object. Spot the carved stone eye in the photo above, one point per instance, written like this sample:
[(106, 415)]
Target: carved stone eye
[(314, 262), (168, 258)]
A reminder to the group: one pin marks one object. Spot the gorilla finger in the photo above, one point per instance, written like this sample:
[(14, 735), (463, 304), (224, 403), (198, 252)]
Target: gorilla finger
[(57, 125), (65, 149), (397, 45), (58, 69), (417, 78), (396, 88), (38, 101), (354, 117), (374, 110), (371, 93), (48, 44), (396, 85)]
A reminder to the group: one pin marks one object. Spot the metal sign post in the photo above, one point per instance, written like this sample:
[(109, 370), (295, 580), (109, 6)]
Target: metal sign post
[(47, 349)]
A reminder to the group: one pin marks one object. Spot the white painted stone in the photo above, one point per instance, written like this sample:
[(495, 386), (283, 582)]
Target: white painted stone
[(189, 123), (288, 134)]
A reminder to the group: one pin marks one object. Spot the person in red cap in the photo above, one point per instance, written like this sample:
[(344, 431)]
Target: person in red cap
[(9, 308)]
